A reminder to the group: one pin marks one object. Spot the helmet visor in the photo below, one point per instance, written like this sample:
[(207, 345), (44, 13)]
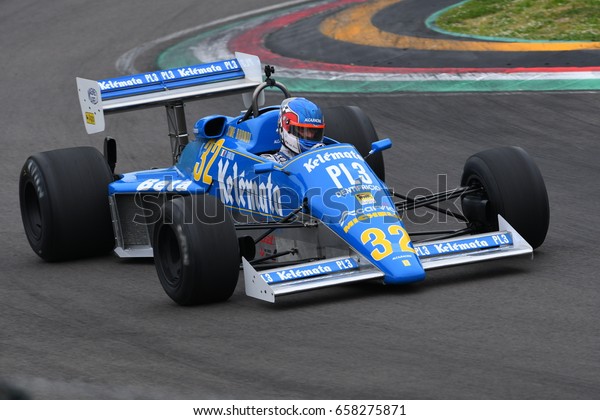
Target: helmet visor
[(310, 133)]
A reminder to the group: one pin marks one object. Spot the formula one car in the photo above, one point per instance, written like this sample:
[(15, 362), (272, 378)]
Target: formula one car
[(323, 218)]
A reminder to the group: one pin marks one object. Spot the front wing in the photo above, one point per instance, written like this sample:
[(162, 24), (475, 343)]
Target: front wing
[(270, 284)]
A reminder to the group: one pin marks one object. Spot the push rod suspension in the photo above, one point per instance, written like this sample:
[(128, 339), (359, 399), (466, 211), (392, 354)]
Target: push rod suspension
[(284, 220), (428, 201)]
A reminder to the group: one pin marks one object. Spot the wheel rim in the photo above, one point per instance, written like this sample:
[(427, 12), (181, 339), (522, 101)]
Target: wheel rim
[(32, 213), (475, 182), (169, 256), (488, 220)]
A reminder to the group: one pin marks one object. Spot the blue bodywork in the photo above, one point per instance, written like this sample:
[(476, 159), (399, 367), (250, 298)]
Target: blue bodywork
[(334, 183), (329, 197)]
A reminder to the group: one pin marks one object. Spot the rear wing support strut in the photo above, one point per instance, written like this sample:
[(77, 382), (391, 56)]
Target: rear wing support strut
[(178, 134)]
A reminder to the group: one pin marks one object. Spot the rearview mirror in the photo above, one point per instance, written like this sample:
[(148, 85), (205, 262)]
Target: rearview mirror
[(380, 145)]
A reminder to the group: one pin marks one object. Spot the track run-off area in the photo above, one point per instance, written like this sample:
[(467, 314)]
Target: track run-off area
[(348, 25)]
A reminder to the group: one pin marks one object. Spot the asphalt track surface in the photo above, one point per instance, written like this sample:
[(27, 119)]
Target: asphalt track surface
[(104, 329)]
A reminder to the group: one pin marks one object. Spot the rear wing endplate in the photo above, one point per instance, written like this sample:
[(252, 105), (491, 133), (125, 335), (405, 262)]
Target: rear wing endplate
[(164, 87)]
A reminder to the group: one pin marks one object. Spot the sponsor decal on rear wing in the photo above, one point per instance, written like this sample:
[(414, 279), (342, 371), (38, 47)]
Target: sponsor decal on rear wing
[(96, 98), (170, 79)]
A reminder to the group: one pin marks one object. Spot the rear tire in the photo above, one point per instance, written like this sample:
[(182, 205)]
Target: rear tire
[(63, 196), (196, 250), (349, 124), (512, 187)]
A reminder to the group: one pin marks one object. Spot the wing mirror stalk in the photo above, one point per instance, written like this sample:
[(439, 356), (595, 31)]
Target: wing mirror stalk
[(379, 146)]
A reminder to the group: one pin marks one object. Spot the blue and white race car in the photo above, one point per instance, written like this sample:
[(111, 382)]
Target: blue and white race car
[(323, 218)]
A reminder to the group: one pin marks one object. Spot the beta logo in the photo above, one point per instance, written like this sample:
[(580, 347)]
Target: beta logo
[(164, 185)]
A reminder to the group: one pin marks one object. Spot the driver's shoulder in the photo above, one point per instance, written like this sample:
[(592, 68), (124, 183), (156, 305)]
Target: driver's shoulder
[(278, 157)]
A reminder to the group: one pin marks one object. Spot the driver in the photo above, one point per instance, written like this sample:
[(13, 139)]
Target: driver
[(300, 127)]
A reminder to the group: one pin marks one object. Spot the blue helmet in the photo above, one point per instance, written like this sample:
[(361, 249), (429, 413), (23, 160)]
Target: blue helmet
[(300, 125)]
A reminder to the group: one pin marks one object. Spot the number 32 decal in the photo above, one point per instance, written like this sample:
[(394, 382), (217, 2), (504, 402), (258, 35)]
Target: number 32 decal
[(211, 148), (382, 247)]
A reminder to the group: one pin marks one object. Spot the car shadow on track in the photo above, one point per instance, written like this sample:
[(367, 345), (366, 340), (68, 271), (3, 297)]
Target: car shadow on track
[(494, 271)]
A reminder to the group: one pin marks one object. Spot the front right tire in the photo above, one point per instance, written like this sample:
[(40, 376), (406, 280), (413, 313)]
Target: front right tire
[(513, 187)]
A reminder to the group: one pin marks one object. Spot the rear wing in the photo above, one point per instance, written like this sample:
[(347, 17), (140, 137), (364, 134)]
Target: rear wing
[(165, 87)]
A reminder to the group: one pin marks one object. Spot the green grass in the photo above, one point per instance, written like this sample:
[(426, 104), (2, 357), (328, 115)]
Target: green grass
[(554, 20)]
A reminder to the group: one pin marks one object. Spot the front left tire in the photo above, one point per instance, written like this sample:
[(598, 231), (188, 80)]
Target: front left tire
[(196, 250)]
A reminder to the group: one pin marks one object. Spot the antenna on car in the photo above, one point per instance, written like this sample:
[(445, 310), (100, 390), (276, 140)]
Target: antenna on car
[(258, 95), (269, 70)]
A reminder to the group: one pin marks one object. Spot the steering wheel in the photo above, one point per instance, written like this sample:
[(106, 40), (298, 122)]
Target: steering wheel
[(253, 110)]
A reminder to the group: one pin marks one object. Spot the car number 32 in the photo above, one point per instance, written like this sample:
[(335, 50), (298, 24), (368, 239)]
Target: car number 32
[(382, 246)]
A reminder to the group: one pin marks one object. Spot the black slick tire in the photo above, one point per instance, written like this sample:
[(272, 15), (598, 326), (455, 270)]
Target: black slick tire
[(512, 187), (196, 250), (63, 196), (349, 124)]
